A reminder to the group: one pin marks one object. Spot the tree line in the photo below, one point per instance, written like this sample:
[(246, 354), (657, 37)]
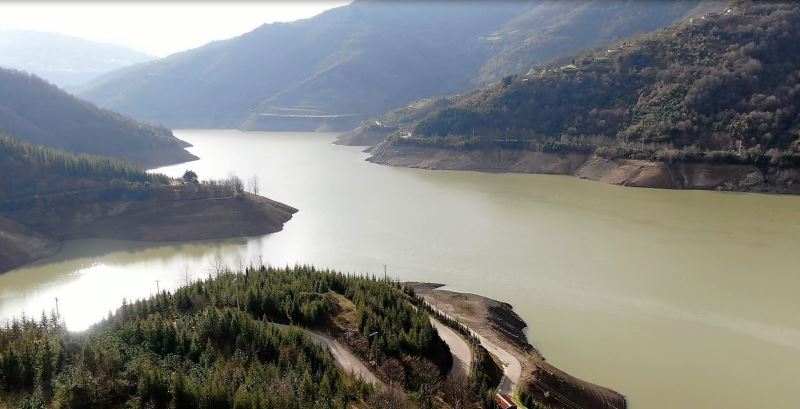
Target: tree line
[(210, 344), (722, 87)]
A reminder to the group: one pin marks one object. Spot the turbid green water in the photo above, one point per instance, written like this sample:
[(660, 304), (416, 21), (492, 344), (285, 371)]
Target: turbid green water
[(675, 298)]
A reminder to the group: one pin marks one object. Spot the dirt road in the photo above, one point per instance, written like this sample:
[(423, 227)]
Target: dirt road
[(512, 369), (343, 357), (462, 355)]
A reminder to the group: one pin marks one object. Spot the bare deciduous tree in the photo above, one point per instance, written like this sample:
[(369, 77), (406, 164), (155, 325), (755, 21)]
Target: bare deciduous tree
[(391, 397), (253, 184), (428, 379), (218, 266), (459, 392)]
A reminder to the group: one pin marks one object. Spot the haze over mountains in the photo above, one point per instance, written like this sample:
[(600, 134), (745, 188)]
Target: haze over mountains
[(342, 66), (66, 61), (36, 111)]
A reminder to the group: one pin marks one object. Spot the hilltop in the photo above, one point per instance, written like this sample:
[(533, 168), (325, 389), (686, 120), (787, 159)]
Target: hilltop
[(224, 342), (332, 71), (710, 103), (36, 111), (47, 196)]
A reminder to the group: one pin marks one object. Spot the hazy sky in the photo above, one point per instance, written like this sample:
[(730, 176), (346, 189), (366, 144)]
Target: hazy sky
[(155, 27)]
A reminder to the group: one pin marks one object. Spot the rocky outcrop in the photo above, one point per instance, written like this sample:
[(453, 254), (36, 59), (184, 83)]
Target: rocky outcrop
[(624, 172), (698, 176), (506, 322)]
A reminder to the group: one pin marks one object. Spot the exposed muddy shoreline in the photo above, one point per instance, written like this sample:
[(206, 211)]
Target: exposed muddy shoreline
[(623, 172), (498, 322), (34, 233)]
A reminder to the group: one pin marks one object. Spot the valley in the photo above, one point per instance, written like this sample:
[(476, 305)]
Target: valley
[(598, 317), (395, 205)]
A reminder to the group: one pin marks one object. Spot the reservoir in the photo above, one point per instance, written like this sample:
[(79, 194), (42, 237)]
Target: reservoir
[(673, 298)]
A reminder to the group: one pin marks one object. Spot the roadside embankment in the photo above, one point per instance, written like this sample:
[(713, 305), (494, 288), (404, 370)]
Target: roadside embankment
[(501, 331), (624, 172)]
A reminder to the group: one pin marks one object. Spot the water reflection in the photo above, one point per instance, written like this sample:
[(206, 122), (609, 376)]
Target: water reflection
[(674, 298), (91, 277)]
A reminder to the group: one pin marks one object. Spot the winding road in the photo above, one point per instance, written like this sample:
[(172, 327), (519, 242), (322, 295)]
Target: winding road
[(512, 369), (343, 357), (462, 354), (459, 348)]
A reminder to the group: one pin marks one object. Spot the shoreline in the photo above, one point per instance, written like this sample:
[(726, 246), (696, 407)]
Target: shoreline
[(497, 322), (621, 172), (144, 221)]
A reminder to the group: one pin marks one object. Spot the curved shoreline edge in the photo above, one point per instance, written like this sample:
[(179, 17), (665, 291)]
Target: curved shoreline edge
[(38, 233), (623, 172), (497, 322)]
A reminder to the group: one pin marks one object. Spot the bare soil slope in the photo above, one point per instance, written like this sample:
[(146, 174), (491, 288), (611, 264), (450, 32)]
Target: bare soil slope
[(149, 220), (20, 245), (624, 172)]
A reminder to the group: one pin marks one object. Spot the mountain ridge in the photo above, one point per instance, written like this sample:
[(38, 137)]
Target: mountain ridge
[(64, 60), (719, 89), (350, 63), (36, 111)]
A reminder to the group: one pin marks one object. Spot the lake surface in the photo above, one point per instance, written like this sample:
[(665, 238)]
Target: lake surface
[(674, 298)]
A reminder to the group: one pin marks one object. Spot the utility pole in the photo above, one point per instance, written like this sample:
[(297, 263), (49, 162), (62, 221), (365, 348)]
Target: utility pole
[(158, 289), (385, 277), (236, 285), (58, 315)]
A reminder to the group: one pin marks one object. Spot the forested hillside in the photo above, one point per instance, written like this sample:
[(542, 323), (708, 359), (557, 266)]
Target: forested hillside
[(48, 195), (722, 87), (63, 60), (555, 29), (211, 345), (30, 170), (36, 111), (347, 64)]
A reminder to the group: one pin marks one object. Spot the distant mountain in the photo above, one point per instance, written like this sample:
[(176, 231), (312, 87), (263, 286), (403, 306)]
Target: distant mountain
[(721, 88), (347, 64), (36, 111), (66, 61)]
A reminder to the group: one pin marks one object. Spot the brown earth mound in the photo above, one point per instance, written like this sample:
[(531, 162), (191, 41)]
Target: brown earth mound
[(147, 220), (20, 245)]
